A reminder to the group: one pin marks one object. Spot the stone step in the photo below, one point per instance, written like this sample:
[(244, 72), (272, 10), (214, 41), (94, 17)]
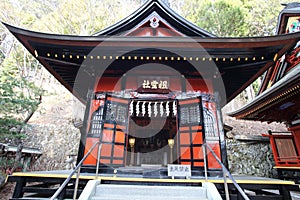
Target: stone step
[(150, 191), (33, 198), (94, 190), (116, 197)]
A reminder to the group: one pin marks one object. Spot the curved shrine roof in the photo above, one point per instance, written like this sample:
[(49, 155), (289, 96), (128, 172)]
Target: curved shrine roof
[(279, 93), (157, 33), (278, 103)]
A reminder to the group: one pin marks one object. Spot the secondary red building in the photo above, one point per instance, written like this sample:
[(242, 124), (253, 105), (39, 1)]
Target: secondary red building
[(279, 95)]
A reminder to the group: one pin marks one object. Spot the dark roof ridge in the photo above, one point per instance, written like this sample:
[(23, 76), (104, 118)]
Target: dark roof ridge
[(163, 10)]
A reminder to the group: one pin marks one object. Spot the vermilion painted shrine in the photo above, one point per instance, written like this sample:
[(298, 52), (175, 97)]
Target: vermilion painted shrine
[(153, 85)]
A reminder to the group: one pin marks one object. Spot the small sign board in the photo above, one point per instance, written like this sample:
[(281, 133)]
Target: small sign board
[(153, 84), (179, 170)]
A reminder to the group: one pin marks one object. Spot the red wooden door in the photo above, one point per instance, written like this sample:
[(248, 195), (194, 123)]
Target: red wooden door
[(191, 135), (114, 132), (108, 125)]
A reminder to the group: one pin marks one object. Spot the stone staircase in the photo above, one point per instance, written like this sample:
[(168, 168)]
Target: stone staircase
[(97, 191)]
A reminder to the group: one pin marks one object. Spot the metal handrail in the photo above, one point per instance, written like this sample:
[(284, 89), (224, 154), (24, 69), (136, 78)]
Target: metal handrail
[(225, 171), (63, 185)]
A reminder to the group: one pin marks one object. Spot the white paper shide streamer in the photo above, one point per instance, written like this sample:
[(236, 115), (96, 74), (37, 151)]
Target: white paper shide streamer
[(143, 108), (174, 108), (149, 109), (161, 109), (155, 109), (137, 108), (167, 108), (131, 108)]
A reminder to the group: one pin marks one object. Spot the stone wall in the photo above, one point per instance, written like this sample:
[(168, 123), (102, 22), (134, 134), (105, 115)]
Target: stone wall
[(56, 143), (59, 141), (250, 158), (51, 129)]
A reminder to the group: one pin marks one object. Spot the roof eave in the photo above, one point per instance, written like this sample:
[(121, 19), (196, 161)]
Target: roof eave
[(291, 77)]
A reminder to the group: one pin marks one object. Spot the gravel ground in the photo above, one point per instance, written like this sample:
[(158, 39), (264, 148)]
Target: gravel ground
[(7, 191)]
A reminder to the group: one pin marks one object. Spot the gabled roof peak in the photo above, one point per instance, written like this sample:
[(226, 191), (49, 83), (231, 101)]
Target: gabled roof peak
[(161, 7)]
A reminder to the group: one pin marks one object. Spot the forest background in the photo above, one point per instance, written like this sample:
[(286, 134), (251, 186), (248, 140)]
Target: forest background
[(22, 77)]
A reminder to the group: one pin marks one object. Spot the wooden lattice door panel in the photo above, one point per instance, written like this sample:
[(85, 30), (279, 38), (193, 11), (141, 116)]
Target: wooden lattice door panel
[(190, 144), (211, 134), (287, 153), (212, 162), (114, 132), (284, 149), (94, 127), (92, 158), (108, 124), (113, 144), (191, 135), (95, 118)]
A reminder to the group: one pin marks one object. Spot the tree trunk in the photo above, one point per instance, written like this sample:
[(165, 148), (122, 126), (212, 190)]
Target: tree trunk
[(19, 141), (18, 155)]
